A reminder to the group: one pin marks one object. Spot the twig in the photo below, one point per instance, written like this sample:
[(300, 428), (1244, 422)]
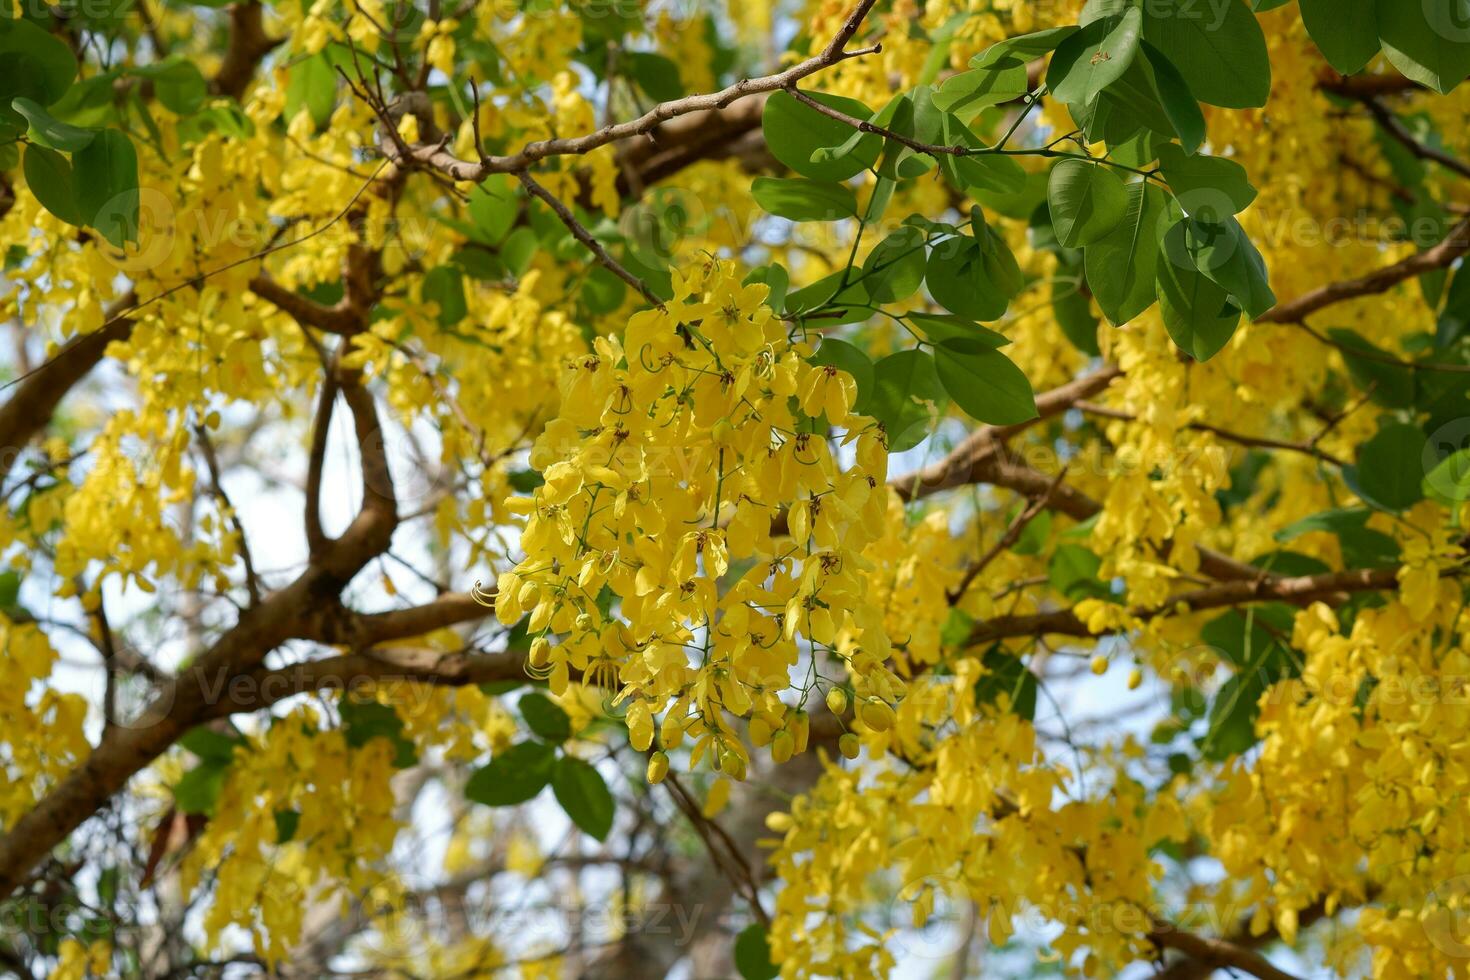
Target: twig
[(434, 156), (1009, 538), (1258, 442), (211, 462), (585, 237)]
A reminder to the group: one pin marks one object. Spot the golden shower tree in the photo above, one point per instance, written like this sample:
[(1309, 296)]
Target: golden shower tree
[(807, 487)]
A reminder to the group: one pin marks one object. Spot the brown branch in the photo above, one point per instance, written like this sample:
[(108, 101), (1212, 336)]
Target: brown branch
[(211, 463), (362, 630), (1358, 86), (339, 318), (262, 688), (1256, 442), (1395, 127), (434, 156), (1455, 244), (1009, 538), (585, 237), (316, 538), (248, 44), (1331, 587), (1215, 953), (37, 394), (959, 467)]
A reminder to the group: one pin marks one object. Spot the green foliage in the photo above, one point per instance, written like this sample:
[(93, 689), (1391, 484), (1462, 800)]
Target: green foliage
[(513, 776), (580, 790), (545, 717), (753, 954)]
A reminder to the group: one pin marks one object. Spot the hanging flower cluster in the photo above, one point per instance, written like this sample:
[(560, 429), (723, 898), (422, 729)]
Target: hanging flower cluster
[(697, 532)]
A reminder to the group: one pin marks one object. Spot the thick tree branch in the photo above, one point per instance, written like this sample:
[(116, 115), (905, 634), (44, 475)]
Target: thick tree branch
[(1441, 256), (1215, 953), (339, 318), (434, 156), (1331, 587), (247, 46), (29, 410)]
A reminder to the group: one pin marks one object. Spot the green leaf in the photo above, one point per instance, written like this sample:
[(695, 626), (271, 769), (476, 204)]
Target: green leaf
[(1427, 40), (1232, 724), (1392, 384), (177, 83), (518, 249), (795, 131), (1389, 471), (38, 65), (49, 176), (1122, 266), (1026, 47), (580, 790), (970, 91), (959, 281), (1207, 187), (939, 327), (776, 279), (52, 132), (545, 717), (1345, 31), (513, 776), (800, 199), (287, 821), (311, 84), (1329, 521), (1223, 253), (1006, 674), (1074, 312), (1219, 48), (444, 286), (753, 954), (10, 583), (364, 719), (210, 745), (984, 382), (602, 291), (1096, 56), (906, 392), (106, 172), (1087, 201), (1073, 572), (1177, 100), (493, 208), (894, 269), (1449, 481), (199, 788), (656, 75), (1197, 312)]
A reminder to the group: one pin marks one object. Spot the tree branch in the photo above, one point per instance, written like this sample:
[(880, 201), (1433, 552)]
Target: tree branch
[(29, 410), (434, 156), (247, 46), (1215, 953), (1455, 244)]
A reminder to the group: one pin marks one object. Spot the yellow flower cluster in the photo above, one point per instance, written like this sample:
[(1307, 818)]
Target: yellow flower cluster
[(346, 823), (696, 531), (30, 765)]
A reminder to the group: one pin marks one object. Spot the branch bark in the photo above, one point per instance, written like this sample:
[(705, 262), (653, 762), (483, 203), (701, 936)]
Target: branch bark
[(433, 156), (1443, 255)]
